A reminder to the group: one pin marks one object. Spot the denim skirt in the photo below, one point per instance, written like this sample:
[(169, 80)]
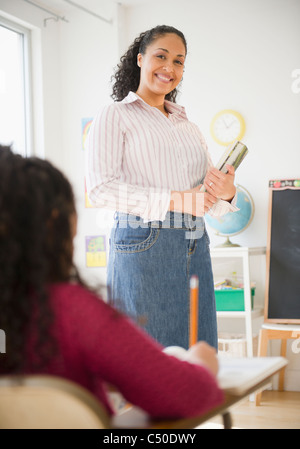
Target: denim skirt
[(149, 270)]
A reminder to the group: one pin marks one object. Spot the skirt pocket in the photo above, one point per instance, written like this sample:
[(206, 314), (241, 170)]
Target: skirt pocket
[(134, 239)]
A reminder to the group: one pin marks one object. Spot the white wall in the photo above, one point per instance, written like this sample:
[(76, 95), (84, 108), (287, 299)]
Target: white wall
[(88, 53), (241, 56)]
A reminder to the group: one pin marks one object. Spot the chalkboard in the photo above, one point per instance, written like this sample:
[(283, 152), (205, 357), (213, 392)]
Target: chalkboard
[(282, 301)]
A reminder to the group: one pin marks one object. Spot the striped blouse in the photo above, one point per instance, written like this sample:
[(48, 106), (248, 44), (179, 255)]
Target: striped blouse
[(136, 156)]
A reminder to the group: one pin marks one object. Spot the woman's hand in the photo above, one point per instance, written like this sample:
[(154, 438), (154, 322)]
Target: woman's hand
[(220, 184), (203, 354), (192, 201)]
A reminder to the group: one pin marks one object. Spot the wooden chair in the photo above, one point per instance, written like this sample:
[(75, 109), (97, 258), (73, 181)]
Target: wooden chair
[(50, 402), (272, 331)]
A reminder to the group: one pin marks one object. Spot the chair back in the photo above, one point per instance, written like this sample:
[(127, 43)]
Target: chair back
[(48, 402)]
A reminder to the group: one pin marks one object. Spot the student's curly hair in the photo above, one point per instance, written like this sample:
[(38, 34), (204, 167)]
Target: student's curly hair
[(127, 75), (36, 203)]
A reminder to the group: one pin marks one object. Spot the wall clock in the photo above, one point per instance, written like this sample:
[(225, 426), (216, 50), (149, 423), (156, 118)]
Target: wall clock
[(227, 126)]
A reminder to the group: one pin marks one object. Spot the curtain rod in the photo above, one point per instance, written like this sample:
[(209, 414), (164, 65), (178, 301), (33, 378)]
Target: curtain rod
[(57, 17), (87, 11), (47, 10)]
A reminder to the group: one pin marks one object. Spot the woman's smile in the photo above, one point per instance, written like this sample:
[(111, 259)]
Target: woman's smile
[(163, 78)]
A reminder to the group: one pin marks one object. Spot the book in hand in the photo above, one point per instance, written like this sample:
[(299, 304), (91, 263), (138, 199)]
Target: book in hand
[(233, 155)]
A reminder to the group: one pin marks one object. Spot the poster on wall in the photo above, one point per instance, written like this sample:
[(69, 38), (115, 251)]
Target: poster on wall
[(85, 127), (95, 250)]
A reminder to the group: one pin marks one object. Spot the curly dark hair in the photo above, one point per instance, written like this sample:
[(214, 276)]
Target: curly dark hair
[(127, 74), (36, 206)]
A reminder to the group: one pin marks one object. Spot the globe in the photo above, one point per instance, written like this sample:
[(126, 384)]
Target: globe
[(234, 223)]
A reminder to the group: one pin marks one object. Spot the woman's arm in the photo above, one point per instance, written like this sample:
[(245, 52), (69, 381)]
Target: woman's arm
[(220, 184), (104, 162), (192, 201), (123, 355)]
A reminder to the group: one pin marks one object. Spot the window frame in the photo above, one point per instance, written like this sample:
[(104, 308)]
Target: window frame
[(27, 79)]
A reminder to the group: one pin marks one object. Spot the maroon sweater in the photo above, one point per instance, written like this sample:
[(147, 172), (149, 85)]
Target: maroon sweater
[(99, 346)]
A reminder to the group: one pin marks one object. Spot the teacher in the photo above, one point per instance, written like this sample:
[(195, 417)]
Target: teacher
[(147, 161)]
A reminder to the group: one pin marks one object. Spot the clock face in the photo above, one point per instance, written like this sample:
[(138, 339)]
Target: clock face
[(227, 126)]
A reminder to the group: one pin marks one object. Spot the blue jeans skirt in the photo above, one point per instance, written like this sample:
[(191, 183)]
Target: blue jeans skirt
[(149, 270)]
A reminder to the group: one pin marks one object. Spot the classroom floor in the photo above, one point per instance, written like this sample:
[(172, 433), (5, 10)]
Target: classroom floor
[(278, 410)]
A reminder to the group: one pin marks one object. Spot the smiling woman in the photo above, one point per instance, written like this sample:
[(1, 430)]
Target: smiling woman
[(161, 69), (147, 161), (128, 75)]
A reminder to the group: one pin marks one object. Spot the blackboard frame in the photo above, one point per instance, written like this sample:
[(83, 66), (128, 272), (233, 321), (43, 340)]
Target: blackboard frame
[(275, 187)]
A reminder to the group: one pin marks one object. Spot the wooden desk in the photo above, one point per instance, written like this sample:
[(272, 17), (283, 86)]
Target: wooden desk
[(142, 421)]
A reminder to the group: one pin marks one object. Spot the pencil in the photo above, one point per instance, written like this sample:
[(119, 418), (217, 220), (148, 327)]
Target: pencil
[(194, 290)]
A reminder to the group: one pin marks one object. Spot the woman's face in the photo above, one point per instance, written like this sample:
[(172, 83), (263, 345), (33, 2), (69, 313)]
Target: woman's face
[(162, 65)]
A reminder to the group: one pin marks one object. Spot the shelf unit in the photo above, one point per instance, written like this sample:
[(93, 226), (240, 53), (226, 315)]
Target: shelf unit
[(244, 253)]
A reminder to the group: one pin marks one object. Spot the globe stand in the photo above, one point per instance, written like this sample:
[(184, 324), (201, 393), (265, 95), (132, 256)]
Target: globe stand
[(227, 244)]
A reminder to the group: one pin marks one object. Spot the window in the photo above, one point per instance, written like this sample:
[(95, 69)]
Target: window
[(15, 109)]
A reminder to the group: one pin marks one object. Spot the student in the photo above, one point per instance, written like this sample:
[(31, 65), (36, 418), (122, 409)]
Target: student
[(55, 324), (146, 160)]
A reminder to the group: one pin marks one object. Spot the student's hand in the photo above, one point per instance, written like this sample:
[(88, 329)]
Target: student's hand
[(203, 354), (192, 201), (220, 184)]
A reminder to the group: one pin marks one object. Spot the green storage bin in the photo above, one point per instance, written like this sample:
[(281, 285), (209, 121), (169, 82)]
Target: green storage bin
[(232, 300)]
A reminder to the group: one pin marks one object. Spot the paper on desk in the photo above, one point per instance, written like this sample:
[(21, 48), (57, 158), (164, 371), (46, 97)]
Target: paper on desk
[(237, 375)]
